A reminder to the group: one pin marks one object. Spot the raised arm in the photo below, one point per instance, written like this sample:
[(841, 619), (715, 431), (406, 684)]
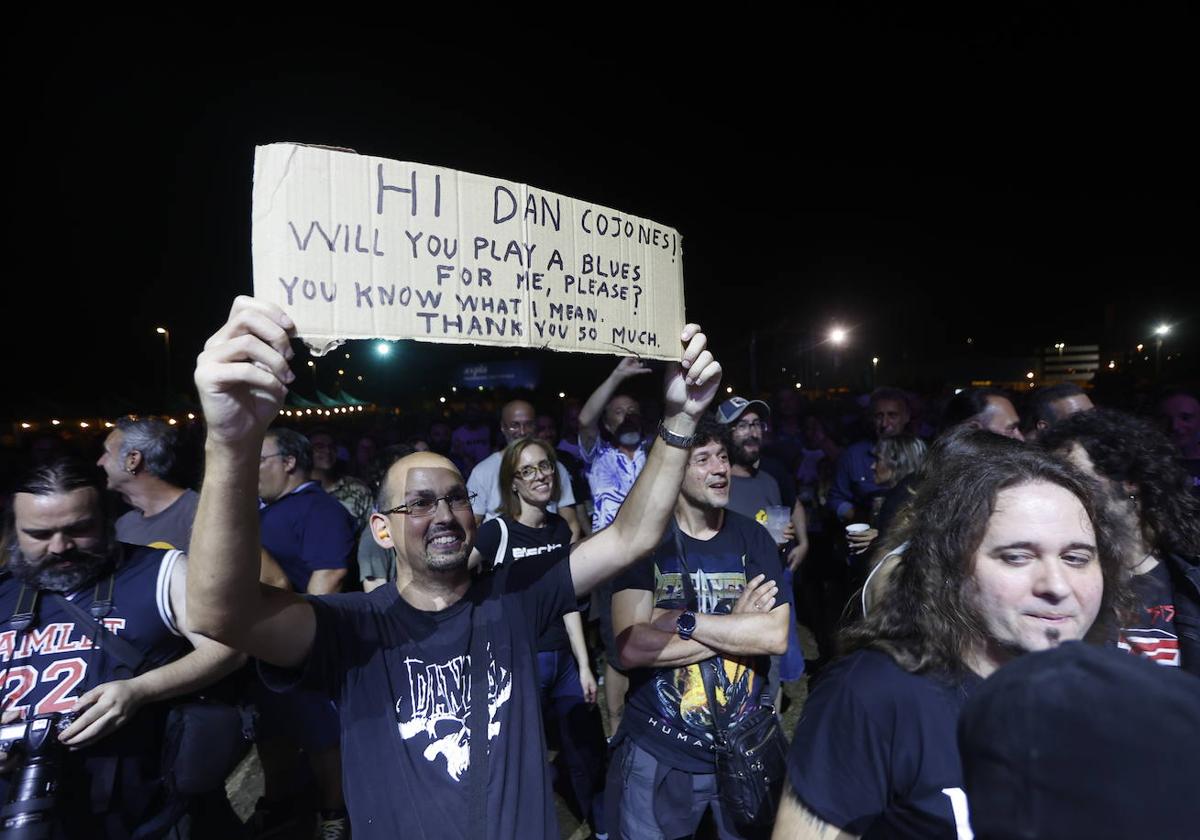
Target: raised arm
[(593, 410), (242, 378), (690, 386)]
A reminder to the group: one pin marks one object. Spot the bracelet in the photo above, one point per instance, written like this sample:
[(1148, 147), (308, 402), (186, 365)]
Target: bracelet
[(676, 440)]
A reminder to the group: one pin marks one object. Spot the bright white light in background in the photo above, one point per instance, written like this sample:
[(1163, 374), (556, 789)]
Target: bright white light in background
[(1029, 375), (383, 348), (311, 363), (341, 372), (797, 386), (83, 425), (171, 421), (874, 360), (957, 391), (54, 422), (191, 416), (1162, 329), (108, 425), (562, 395), (837, 335), (729, 390), (442, 400), (1139, 347), (1112, 365), (27, 426)]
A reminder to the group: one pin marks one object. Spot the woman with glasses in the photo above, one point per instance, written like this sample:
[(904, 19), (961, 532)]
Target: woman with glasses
[(525, 528)]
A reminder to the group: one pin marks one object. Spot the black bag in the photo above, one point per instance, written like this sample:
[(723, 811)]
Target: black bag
[(204, 738), (203, 742), (751, 756)]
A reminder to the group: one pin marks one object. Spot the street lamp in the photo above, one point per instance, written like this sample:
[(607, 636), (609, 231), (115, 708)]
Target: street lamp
[(1160, 333), (166, 334), (837, 337)]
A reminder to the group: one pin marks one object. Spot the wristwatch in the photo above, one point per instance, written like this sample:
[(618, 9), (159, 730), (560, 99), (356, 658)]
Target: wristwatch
[(676, 440), (685, 625)]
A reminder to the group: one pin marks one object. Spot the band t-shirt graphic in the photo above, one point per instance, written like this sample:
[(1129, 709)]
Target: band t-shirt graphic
[(401, 678), (667, 709), (1154, 635)]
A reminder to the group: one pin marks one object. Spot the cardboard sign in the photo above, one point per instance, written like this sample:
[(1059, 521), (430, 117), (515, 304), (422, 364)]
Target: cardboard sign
[(361, 247)]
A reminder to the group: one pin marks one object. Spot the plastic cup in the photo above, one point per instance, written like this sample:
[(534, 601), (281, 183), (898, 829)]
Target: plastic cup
[(857, 528), (778, 517)]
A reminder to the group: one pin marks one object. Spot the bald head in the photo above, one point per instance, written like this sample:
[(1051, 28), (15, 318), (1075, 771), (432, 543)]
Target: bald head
[(517, 420), (395, 481)]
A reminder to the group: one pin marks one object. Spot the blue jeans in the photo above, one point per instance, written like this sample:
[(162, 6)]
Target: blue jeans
[(580, 731)]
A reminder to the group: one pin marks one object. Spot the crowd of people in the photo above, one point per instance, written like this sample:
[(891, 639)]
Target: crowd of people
[(417, 618)]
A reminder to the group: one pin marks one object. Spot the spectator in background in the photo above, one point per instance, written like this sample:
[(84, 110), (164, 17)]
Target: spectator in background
[(853, 485), (139, 455), (353, 493), (1180, 413), (983, 408), (471, 441), (516, 422), (1147, 491), (1046, 406), (613, 444)]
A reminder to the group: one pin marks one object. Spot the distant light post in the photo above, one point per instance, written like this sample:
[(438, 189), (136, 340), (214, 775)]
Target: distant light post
[(837, 337), (1160, 333), (166, 334)]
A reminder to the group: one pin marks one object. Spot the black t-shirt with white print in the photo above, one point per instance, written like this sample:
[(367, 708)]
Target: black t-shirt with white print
[(401, 680)]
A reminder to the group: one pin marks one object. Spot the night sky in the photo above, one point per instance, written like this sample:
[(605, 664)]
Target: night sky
[(1018, 180)]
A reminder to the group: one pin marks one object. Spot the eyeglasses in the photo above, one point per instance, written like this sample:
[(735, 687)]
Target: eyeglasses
[(262, 459), (750, 425), (426, 505), (520, 428), (533, 470)]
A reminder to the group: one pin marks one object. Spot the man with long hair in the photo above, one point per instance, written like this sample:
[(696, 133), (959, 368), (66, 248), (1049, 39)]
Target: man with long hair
[(1147, 490), (1003, 556)]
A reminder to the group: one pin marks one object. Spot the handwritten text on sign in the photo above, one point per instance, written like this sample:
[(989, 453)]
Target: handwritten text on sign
[(361, 247)]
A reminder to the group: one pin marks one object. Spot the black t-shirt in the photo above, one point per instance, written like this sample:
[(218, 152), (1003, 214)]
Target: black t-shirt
[(876, 750), (666, 709), (1153, 634), (401, 679), (552, 541)]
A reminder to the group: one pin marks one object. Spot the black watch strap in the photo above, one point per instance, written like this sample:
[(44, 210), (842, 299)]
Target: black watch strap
[(676, 440)]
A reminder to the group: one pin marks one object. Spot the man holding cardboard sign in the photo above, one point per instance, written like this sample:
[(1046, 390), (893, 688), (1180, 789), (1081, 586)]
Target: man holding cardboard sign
[(406, 664)]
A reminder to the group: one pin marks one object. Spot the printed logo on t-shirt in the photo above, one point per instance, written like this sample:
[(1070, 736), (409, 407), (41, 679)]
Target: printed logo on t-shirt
[(436, 705), (1157, 645), (519, 553), (682, 702)]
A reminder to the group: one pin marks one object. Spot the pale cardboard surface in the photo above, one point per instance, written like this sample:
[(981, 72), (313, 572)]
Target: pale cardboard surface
[(446, 256)]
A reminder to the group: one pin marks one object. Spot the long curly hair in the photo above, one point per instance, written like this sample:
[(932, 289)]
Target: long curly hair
[(1126, 448), (928, 620)]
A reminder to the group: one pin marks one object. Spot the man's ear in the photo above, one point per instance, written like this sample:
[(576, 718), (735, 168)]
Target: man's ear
[(289, 463), (133, 462), (381, 530)]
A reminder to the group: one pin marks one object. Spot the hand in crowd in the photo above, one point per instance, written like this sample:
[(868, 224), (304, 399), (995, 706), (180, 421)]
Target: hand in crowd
[(7, 761), (692, 382), (102, 710), (757, 597), (243, 374), (861, 541), (627, 368), (795, 557), (588, 681)]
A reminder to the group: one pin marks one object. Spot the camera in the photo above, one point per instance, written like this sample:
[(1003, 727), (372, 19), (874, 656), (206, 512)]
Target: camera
[(29, 813)]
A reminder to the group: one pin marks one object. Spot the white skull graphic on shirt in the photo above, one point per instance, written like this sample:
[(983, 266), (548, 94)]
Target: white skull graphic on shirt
[(437, 705)]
